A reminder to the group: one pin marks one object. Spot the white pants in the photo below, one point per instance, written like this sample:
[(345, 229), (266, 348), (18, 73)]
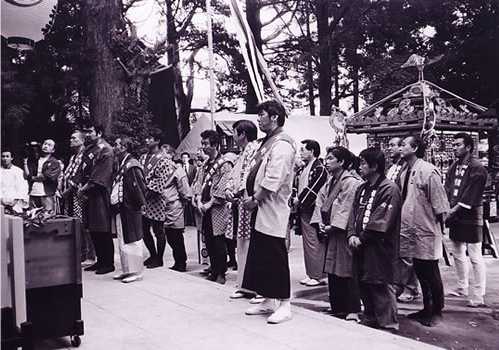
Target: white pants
[(462, 268), (131, 254)]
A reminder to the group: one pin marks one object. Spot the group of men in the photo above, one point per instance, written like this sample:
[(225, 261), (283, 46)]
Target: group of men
[(375, 234), (377, 238)]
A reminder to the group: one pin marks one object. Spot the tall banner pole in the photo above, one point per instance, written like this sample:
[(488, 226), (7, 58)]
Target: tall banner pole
[(209, 11)]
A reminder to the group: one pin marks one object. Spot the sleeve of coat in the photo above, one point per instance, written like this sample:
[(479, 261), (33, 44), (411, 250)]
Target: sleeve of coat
[(102, 171), (346, 197), (136, 185), (385, 214), (158, 180), (52, 171), (218, 189), (351, 231), (321, 197), (183, 187), (471, 195), (436, 193)]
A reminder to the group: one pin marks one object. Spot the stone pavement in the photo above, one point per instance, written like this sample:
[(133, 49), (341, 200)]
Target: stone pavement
[(171, 310)]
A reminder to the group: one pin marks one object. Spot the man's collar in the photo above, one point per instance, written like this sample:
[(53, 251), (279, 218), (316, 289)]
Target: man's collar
[(466, 159)]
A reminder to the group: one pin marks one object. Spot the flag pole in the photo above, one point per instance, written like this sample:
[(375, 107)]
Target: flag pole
[(211, 61)]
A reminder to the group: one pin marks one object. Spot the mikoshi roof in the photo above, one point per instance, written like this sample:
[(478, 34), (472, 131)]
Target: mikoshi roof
[(404, 110)]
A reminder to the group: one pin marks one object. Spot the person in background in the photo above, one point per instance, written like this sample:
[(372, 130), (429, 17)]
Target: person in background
[(311, 179), (406, 282), (332, 211), (72, 203), (465, 184), (269, 185), (190, 170), (95, 190), (210, 201), (177, 192), (158, 167), (245, 134), (43, 177), (424, 207), (14, 188), (127, 199), (373, 234)]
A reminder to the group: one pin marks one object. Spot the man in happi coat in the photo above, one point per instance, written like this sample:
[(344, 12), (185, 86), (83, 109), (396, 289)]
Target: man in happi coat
[(177, 192), (332, 211), (209, 192), (373, 232), (406, 282), (157, 170), (73, 204), (465, 184), (424, 206), (269, 186), (245, 134), (95, 189), (127, 199), (310, 180)]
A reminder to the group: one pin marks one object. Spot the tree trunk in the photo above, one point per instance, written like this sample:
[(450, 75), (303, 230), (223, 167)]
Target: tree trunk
[(325, 64), (107, 84), (336, 78), (253, 18), (183, 103), (310, 68)]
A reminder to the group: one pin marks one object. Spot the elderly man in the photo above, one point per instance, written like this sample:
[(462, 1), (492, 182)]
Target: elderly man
[(43, 176), (14, 188), (465, 184), (424, 207), (269, 185), (97, 179)]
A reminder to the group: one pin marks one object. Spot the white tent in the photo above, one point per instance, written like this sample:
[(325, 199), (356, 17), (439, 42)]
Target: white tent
[(298, 127)]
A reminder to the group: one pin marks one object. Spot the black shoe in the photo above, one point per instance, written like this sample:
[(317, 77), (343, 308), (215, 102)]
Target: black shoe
[(211, 277), (178, 268), (105, 269), (149, 260), (206, 272), (154, 264), (418, 315), (93, 267), (220, 279)]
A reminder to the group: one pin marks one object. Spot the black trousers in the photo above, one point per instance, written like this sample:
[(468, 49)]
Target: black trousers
[(216, 247), (429, 278), (175, 238), (104, 248), (344, 295), (159, 232)]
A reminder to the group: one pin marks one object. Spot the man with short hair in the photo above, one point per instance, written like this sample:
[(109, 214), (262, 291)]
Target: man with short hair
[(14, 188), (311, 178), (269, 184), (465, 183), (95, 189), (210, 200), (43, 177), (373, 233), (127, 199), (406, 281), (423, 209), (158, 168)]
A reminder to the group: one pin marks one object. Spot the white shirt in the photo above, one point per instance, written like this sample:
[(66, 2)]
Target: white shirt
[(13, 186), (275, 175), (37, 189)]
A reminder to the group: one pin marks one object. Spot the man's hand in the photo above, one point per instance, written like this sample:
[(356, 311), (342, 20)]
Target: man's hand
[(354, 241), (229, 195), (250, 203)]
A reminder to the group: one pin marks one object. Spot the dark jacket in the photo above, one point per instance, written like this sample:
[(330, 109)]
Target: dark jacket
[(51, 170), (316, 179)]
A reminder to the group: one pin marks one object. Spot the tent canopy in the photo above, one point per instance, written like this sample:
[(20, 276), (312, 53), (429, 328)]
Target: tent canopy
[(298, 127)]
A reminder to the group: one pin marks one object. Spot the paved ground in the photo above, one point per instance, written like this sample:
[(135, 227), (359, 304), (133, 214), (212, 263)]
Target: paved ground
[(170, 310)]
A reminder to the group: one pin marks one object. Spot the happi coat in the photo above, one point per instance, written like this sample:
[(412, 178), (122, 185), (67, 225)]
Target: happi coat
[(375, 219), (333, 207), (310, 186), (420, 231), (176, 191), (464, 184), (129, 194), (97, 171)]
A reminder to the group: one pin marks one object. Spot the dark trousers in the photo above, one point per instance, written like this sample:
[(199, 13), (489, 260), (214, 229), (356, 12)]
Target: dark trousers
[(175, 238), (431, 285), (216, 247), (380, 303), (159, 232), (104, 248), (343, 295), (231, 249)]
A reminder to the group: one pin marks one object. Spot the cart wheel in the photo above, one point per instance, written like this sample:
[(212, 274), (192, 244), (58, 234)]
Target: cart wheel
[(75, 341)]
